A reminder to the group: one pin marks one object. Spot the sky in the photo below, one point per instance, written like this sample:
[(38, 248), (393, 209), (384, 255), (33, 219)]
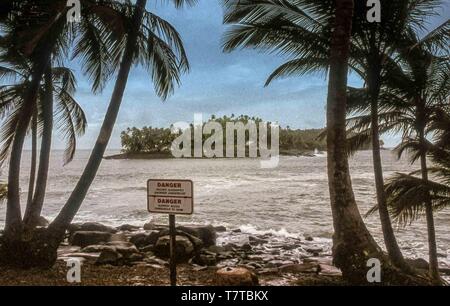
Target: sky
[(218, 83)]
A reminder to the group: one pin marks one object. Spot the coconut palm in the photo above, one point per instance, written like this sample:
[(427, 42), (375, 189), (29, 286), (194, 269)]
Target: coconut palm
[(412, 196), (39, 31), (139, 37), (301, 30), (420, 86), (70, 119)]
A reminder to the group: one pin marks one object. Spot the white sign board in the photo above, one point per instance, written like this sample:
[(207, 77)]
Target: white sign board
[(173, 197)]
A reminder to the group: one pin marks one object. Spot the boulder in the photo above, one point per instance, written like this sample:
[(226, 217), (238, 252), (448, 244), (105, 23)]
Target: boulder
[(236, 276), (128, 228), (418, 263), (205, 260), (220, 229), (109, 257), (257, 241), (96, 248), (184, 249), (300, 268), (42, 222), (91, 227), (150, 226), (85, 238), (207, 234), (143, 240)]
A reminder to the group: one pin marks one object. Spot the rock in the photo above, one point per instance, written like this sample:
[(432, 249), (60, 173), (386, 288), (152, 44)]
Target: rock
[(150, 226), (220, 229), (85, 238), (91, 227), (238, 230), (184, 249), (128, 228), (309, 238), (238, 276), (246, 247), (300, 268), (109, 257), (328, 270), (205, 260), (42, 222), (207, 234), (156, 261), (314, 250), (257, 241), (418, 263), (268, 271), (96, 248), (93, 256), (143, 240)]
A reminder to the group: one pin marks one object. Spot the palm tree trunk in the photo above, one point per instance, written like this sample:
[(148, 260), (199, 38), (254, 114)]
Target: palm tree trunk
[(13, 224), (390, 241), (68, 212), (432, 248), (33, 159), (33, 212), (353, 245), (351, 238)]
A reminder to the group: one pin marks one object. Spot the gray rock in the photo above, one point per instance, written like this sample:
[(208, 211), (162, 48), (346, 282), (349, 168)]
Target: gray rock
[(418, 263), (300, 268), (309, 238), (150, 226), (220, 229), (91, 227), (42, 222), (257, 241), (184, 249), (85, 238), (110, 257), (207, 234), (128, 228), (142, 240), (96, 248)]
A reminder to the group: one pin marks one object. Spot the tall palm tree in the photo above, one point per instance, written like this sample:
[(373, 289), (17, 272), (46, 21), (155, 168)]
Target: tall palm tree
[(38, 30), (413, 195), (302, 30), (70, 119), (139, 36)]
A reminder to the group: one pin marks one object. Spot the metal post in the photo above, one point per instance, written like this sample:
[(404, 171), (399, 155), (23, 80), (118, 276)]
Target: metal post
[(173, 264)]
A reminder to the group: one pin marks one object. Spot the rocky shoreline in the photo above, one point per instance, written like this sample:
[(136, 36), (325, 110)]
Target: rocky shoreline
[(247, 260), (206, 255)]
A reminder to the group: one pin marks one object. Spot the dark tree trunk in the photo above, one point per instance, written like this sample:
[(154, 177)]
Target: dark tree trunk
[(395, 255), (68, 212), (13, 222), (33, 159), (33, 212), (432, 248), (353, 245)]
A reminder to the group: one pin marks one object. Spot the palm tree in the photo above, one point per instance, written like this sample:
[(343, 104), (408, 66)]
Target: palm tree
[(302, 31), (69, 116), (138, 37), (410, 197), (38, 30)]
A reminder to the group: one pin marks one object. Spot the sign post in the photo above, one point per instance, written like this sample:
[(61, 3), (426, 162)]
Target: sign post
[(173, 197)]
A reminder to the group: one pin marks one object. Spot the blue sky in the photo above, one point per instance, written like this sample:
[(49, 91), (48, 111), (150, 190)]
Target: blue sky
[(218, 83)]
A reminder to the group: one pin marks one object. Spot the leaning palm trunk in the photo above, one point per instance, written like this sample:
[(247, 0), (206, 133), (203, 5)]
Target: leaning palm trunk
[(33, 212), (33, 160), (432, 249), (395, 255), (68, 212)]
